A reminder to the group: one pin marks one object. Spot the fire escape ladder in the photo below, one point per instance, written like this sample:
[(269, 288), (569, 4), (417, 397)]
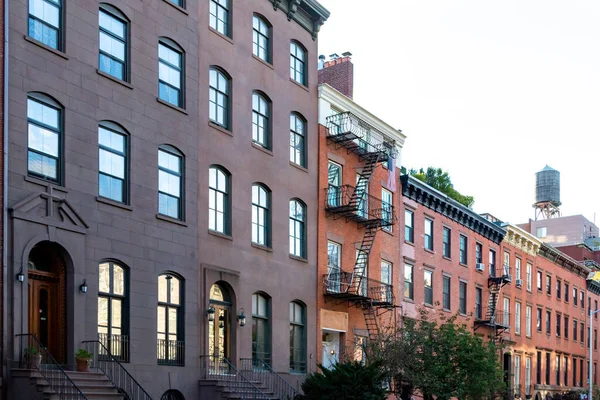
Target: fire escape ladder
[(370, 314), (362, 260), (360, 191)]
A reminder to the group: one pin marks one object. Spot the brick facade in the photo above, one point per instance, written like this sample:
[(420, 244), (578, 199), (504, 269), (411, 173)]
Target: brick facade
[(339, 74)]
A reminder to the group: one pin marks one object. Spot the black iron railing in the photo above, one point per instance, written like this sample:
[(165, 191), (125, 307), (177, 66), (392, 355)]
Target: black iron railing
[(298, 367), (501, 272), (359, 206), (257, 370), (349, 129), (493, 316), (33, 355), (348, 284), (117, 345), (170, 352), (103, 361), (221, 369)]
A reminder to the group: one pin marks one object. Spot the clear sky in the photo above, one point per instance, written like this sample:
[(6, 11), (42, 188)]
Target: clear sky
[(491, 91)]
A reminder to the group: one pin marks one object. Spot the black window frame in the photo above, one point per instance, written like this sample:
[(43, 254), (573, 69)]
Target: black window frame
[(49, 102), (295, 137), (213, 193), (462, 296), (428, 237), (575, 329), (302, 225), (548, 285), (173, 46), (227, 22), (447, 242), (177, 153), (60, 42), (117, 344), (547, 368), (538, 368), (566, 327), (558, 324), (121, 17), (266, 356), (294, 367), (256, 33), (294, 60), (428, 290), (409, 230), (266, 212), (478, 303), (548, 322), (446, 292), (266, 118), (567, 294), (219, 93), (581, 332), (463, 249), (409, 285), (478, 253), (558, 289), (179, 348), (539, 319), (116, 129)]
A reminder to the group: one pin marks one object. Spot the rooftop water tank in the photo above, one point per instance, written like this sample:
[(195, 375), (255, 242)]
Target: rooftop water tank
[(547, 186)]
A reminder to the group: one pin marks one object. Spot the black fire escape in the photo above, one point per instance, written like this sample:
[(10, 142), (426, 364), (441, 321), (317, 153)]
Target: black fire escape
[(497, 320), (371, 214)]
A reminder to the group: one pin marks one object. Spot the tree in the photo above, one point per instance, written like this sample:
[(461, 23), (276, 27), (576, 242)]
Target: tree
[(349, 380), (438, 357), (440, 180)]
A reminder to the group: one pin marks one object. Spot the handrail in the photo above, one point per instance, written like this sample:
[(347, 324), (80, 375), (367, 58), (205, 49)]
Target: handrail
[(363, 205), (50, 369), (338, 283), (221, 369), (104, 361), (262, 372), (353, 127)]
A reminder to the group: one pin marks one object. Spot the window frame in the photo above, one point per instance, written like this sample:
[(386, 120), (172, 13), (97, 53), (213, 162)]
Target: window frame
[(478, 253), (294, 60), (266, 118), (227, 23), (517, 318), (269, 334), (463, 253), (462, 297), (213, 193), (116, 129), (124, 298), (302, 225), (446, 242), (409, 285), (174, 152), (298, 118), (179, 359), (121, 17), (446, 292), (47, 101), (387, 209), (428, 289), (528, 312), (528, 272), (60, 40), (268, 36), (428, 237), (219, 72), (173, 46), (409, 230), (294, 323), (566, 327), (266, 213)]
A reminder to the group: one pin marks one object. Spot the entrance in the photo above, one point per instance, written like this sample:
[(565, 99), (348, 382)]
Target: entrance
[(219, 330), (47, 300)]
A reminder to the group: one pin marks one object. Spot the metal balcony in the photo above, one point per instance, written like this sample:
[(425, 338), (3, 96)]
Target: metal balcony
[(500, 275), (345, 286), (492, 318), (358, 136), (343, 201)]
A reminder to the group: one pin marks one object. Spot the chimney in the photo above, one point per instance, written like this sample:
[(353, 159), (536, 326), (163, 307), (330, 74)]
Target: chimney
[(338, 73)]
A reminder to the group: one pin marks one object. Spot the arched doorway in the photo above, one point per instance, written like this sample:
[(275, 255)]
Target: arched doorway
[(172, 394), (219, 329), (47, 298)]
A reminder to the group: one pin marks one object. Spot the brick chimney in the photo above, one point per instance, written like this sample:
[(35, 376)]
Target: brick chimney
[(338, 73)]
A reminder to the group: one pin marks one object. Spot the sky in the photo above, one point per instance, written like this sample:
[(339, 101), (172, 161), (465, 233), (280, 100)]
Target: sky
[(490, 91)]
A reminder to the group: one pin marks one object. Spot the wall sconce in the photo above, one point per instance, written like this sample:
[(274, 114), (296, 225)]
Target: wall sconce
[(210, 313), (20, 276), (241, 317), (83, 287), (332, 352), (221, 321)]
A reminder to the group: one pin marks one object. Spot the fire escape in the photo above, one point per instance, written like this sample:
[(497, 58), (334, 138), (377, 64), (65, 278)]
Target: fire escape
[(371, 214), (497, 320)]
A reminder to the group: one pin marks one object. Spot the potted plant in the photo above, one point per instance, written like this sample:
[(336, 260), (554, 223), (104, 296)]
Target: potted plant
[(83, 359), (33, 357)]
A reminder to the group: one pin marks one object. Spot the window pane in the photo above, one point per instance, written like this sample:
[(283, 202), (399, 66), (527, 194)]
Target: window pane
[(112, 24), (169, 161), (102, 311), (172, 321), (118, 280), (116, 313), (161, 319), (174, 291), (104, 278), (169, 55), (112, 164), (112, 46), (162, 288), (43, 140), (168, 183), (42, 165)]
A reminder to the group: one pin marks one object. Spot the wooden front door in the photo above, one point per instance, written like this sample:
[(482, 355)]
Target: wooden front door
[(44, 311)]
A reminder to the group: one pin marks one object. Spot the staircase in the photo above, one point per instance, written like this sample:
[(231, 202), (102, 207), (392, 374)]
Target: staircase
[(95, 386), (497, 320), (370, 314), (221, 380)]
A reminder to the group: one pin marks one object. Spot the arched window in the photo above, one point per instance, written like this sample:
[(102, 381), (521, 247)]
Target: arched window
[(219, 17), (44, 141), (261, 125), (297, 228), (261, 38), (298, 139), (261, 329), (298, 63), (171, 72), (218, 200), (297, 337), (45, 22), (114, 38), (170, 344), (219, 100), (113, 149), (261, 218), (172, 394), (112, 309), (170, 182)]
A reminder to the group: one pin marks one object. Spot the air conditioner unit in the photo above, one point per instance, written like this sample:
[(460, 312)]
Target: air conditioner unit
[(480, 267), (519, 283), (508, 278)]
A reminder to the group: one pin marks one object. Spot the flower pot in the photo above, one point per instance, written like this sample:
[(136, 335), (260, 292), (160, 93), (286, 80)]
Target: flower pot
[(83, 364), (34, 361)]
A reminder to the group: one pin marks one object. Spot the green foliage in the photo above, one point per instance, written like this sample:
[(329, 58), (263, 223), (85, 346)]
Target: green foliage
[(440, 180), (349, 381), (83, 353), (438, 357), (31, 351)]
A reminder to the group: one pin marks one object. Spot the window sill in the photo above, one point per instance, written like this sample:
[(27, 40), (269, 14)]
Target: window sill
[(220, 235), (391, 233), (46, 47), (428, 305), (113, 203), (429, 251), (463, 265), (409, 243), (220, 128), (262, 247), (268, 64), (462, 314), (174, 107), (299, 84), (446, 258), (446, 310), (112, 78), (301, 259), (219, 34), (300, 167), (44, 183), (259, 147), (170, 219), (175, 6), (408, 300)]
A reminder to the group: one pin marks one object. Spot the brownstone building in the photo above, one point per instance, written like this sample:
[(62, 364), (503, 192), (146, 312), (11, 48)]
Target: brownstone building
[(161, 168)]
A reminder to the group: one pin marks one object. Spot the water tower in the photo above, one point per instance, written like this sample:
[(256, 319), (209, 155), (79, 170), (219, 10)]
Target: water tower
[(547, 193)]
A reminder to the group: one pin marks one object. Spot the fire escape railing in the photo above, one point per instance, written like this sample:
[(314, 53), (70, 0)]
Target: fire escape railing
[(344, 201), (349, 286)]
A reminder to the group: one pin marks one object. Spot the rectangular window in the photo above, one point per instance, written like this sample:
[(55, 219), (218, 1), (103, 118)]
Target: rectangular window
[(492, 258), (529, 276), (462, 292), (557, 361), (506, 312), (386, 279), (111, 171), (478, 302), (595, 309), (548, 285), (539, 281), (170, 75), (517, 380), (478, 253), (575, 372), (518, 268), (298, 64), (558, 288), (539, 320), (580, 372), (334, 269), (518, 318), (528, 321), (595, 339), (387, 210), (506, 262), (428, 287), (548, 321), (541, 232), (558, 327), (538, 368), (428, 236), (581, 298), (408, 282), (575, 330), (170, 184), (409, 223), (566, 326), (113, 47), (527, 376), (45, 22), (219, 16), (334, 188), (463, 249), (446, 244), (566, 292), (581, 331), (547, 368), (43, 125), (446, 294), (574, 296), (566, 370)]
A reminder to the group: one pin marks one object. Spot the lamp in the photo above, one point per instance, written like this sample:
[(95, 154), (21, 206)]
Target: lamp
[(241, 317), (221, 321), (83, 287), (20, 276), (210, 313)]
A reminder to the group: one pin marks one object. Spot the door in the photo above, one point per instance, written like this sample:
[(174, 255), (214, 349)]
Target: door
[(218, 333), (44, 321)]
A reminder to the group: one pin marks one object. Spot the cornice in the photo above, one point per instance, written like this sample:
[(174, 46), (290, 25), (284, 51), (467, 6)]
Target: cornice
[(424, 194), (338, 100), (561, 259), (521, 239), (309, 14)]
